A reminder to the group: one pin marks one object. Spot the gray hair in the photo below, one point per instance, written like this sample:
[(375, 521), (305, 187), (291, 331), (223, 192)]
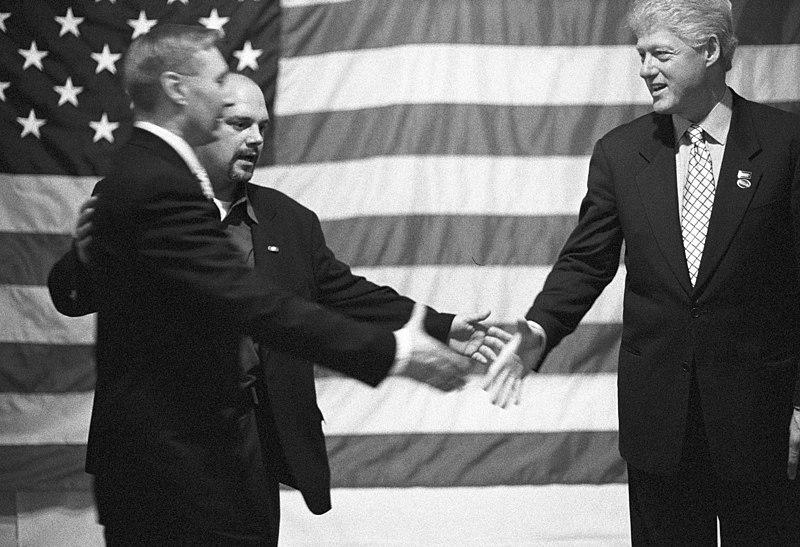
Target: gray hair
[(166, 47), (693, 21)]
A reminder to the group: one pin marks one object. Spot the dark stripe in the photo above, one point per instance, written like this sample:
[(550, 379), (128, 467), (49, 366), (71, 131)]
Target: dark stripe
[(414, 240), (401, 460), (451, 129), (447, 129), (46, 368), (481, 459), (28, 257), (43, 467), (592, 348), (310, 30)]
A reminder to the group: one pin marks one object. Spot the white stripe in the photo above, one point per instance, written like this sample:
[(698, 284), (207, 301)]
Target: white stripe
[(402, 406), (45, 418), (502, 75), (508, 291), (557, 515), (46, 204), (304, 3), (396, 406), (29, 317), (435, 185)]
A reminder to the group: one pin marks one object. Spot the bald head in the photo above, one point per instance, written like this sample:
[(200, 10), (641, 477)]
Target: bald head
[(231, 159)]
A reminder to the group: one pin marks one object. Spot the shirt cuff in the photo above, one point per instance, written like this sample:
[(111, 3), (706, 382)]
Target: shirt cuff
[(402, 354)]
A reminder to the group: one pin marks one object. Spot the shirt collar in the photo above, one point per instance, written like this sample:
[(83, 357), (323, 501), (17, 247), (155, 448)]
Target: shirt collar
[(177, 143), (716, 124), (226, 207)]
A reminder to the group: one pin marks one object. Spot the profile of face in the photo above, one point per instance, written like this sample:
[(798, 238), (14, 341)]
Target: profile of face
[(231, 159), (676, 74), (206, 95)]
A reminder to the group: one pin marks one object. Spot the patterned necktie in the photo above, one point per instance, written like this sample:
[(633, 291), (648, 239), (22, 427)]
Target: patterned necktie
[(698, 199)]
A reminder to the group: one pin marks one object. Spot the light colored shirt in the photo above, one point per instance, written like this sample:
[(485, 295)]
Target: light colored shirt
[(715, 127)]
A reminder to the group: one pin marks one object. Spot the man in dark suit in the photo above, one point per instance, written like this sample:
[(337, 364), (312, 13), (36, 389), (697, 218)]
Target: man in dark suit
[(284, 242), (705, 194), (171, 441)]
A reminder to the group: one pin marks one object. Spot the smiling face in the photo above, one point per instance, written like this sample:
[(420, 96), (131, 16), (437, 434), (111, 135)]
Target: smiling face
[(677, 75), (231, 159)]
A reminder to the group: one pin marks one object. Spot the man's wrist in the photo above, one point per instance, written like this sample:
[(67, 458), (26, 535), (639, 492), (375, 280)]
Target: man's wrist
[(402, 352)]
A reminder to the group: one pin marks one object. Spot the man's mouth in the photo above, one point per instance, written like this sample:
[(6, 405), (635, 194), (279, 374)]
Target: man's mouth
[(655, 89), (251, 157)]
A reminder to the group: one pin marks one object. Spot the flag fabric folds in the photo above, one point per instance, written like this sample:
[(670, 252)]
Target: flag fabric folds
[(444, 146)]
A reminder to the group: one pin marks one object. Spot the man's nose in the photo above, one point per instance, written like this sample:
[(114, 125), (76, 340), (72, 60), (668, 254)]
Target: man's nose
[(254, 135), (647, 68)]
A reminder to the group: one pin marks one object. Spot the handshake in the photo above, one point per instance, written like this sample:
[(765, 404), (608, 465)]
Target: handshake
[(508, 357)]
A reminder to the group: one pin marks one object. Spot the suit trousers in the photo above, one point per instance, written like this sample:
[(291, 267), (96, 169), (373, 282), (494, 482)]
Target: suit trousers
[(683, 508)]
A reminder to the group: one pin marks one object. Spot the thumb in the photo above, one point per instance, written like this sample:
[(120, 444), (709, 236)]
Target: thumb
[(477, 317), (417, 319)]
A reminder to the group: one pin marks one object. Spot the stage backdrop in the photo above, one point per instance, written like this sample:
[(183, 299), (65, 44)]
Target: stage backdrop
[(444, 144)]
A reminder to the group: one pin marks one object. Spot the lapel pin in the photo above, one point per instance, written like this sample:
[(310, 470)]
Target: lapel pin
[(744, 175), (272, 248), (743, 183)]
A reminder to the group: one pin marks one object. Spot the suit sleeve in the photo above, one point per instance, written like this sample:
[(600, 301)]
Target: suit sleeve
[(69, 283), (587, 263), (169, 248), (356, 297)]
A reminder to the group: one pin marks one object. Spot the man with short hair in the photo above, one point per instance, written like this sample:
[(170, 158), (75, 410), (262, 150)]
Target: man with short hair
[(171, 442), (284, 242), (705, 193)]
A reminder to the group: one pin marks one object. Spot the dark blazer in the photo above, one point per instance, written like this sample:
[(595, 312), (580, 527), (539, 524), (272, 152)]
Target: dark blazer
[(169, 441), (739, 327), (305, 265)]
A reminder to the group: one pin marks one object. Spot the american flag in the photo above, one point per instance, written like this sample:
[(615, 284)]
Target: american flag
[(444, 144)]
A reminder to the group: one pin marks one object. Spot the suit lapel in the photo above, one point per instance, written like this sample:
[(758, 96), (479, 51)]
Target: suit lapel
[(731, 201), (658, 191), (264, 234)]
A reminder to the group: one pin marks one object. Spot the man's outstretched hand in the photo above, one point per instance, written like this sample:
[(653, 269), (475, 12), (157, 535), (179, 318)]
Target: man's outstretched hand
[(503, 380), (429, 361)]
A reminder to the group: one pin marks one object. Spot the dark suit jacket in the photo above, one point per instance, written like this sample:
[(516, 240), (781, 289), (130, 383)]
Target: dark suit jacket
[(739, 327), (169, 440), (305, 265)]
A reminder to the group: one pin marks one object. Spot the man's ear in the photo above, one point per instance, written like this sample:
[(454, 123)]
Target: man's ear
[(172, 85), (713, 52)]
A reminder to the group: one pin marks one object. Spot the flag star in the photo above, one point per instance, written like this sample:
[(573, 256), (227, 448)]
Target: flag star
[(142, 25), (33, 56), (248, 57), (214, 21), (31, 125), (69, 23), (3, 87), (3, 17), (104, 129), (105, 60), (67, 93)]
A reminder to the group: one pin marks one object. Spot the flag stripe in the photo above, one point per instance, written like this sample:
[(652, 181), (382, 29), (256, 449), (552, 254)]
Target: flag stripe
[(27, 257), (31, 318), (397, 406), (391, 23), (450, 129), (506, 290), (514, 22), (432, 460), (502, 516), (28, 368), (510, 75), (46, 368), (434, 185), (46, 204)]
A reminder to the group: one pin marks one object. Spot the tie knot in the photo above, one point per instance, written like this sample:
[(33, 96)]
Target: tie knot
[(695, 134)]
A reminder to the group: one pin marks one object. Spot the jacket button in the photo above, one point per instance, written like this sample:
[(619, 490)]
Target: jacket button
[(685, 366), (696, 312)]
